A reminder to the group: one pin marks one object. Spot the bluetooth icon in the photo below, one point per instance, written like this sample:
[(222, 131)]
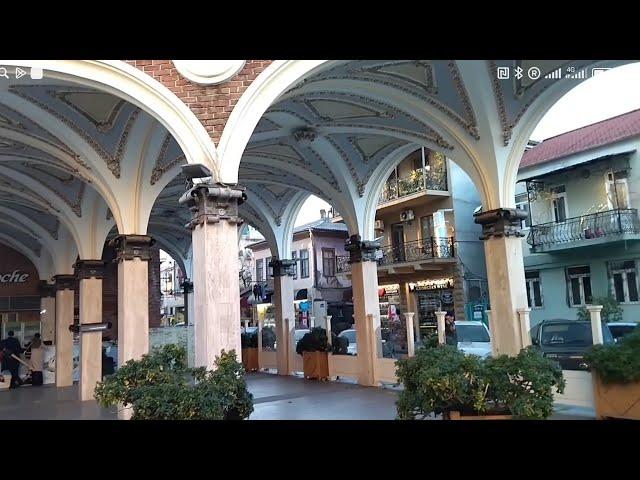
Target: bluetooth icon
[(519, 73)]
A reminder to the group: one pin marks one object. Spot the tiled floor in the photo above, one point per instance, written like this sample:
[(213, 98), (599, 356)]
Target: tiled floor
[(275, 398)]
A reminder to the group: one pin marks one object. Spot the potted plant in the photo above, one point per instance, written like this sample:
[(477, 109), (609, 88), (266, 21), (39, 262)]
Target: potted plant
[(268, 338), (314, 348), (249, 342), (160, 386), (616, 377), (441, 380)]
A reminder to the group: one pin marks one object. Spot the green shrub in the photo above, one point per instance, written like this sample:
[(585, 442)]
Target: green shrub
[(160, 386), (268, 338), (249, 340), (441, 378), (611, 310), (617, 362), (316, 341)]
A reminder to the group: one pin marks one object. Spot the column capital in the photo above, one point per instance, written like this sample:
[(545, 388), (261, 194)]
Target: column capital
[(129, 247), (282, 268), (501, 222), (187, 285), (85, 269), (46, 289), (213, 202), (361, 250), (65, 282)]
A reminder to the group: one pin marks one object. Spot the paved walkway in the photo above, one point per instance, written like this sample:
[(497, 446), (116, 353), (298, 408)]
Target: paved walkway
[(275, 398)]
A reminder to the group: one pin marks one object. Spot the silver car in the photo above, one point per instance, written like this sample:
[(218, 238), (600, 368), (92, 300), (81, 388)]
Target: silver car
[(473, 338)]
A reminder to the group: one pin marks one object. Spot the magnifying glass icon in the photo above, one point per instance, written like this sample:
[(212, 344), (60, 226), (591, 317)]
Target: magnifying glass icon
[(3, 73)]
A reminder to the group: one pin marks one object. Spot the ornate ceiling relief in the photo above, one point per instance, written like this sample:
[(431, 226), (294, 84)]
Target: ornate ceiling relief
[(101, 109), (209, 72), (162, 165), (112, 160), (263, 174)]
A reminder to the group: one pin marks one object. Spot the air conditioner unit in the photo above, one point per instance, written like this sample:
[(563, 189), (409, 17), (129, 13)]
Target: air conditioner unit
[(379, 225), (407, 215)]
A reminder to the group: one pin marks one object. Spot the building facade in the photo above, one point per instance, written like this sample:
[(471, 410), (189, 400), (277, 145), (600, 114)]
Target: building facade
[(583, 231)]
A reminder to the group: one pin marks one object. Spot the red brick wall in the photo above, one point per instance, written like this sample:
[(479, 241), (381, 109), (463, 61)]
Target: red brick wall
[(154, 288), (211, 104)]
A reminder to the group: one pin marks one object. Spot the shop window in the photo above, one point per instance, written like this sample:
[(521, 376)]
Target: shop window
[(329, 262), (617, 189), (579, 285), (294, 256), (623, 278), (534, 289), (304, 263)]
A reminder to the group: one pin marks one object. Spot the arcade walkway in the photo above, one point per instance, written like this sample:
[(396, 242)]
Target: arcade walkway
[(275, 397)]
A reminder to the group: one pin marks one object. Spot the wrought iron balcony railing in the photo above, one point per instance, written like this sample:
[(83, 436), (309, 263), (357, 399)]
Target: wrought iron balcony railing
[(426, 249), (586, 227), (419, 181)]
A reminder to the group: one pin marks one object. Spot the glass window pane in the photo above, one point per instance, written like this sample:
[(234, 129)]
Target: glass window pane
[(575, 291), (529, 294), (537, 296), (632, 284), (618, 288), (586, 283), (621, 187)]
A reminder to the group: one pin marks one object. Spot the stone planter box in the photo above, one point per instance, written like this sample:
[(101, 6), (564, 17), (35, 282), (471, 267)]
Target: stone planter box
[(616, 400), (315, 365), (455, 415), (250, 359)]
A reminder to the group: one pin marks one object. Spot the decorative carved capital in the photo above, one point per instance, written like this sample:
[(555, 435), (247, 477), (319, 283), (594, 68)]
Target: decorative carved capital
[(282, 268), (86, 269), (361, 250), (211, 203), (501, 222), (46, 289), (187, 286), (129, 247), (65, 282), (304, 136)]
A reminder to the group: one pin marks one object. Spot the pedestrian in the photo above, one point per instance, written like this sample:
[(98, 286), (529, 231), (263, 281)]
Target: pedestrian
[(37, 360), (11, 346), (450, 329)]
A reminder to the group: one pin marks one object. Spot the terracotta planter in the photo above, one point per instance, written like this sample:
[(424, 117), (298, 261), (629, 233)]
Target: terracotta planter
[(315, 365), (616, 400), (250, 359), (455, 415)]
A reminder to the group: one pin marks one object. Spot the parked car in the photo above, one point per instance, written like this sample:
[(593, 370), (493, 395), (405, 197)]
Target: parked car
[(350, 334), (620, 329), (566, 341), (249, 330), (473, 338)]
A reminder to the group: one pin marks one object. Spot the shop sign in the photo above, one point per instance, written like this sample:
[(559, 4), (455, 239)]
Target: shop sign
[(431, 284), (447, 298), (14, 277), (393, 289)]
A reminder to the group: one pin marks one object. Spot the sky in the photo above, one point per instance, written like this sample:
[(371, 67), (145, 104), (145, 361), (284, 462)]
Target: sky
[(603, 96)]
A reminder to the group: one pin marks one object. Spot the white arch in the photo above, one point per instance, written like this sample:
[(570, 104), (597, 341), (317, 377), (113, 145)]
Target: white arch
[(128, 82)]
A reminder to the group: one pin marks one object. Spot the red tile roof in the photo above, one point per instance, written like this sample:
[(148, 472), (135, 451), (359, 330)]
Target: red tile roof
[(595, 135)]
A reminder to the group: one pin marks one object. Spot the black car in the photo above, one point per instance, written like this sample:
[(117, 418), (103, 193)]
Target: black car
[(620, 329), (566, 341)]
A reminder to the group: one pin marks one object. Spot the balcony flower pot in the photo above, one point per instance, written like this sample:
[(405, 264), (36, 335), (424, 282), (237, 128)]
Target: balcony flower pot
[(250, 359), (615, 371), (315, 365)]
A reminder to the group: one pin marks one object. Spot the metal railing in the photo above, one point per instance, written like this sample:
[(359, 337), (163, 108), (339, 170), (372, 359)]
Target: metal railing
[(585, 227), (418, 181), (426, 249)]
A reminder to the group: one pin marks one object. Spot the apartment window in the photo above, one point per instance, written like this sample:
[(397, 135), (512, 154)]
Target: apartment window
[(579, 281), (522, 203), (624, 280), (618, 192), (426, 224), (534, 289), (329, 262), (259, 270), (294, 257), (304, 263), (559, 204), (268, 268)]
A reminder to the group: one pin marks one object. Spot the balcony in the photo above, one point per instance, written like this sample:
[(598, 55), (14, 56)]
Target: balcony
[(586, 230), (409, 255), (420, 180)]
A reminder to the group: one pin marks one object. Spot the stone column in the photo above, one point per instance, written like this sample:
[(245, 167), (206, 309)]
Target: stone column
[(64, 338), (442, 334), (283, 300), (89, 274), (525, 326), (411, 347), (214, 209), (133, 255), (596, 323), (364, 282), (47, 311), (505, 273)]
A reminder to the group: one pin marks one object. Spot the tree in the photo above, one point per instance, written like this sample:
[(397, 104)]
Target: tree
[(611, 310)]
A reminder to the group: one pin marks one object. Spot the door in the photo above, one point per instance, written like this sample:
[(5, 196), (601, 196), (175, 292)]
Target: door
[(397, 241)]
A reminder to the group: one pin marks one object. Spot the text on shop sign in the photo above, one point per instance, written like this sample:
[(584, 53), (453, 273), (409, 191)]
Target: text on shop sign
[(14, 277)]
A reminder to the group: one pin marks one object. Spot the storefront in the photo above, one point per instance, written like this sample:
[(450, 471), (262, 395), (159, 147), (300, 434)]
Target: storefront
[(19, 296), (432, 296)]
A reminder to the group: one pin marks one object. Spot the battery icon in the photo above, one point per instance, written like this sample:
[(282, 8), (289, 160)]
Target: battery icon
[(597, 71), (36, 73)]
